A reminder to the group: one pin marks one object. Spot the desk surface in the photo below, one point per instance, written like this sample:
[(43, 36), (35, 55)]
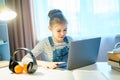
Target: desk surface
[(105, 69), (6, 74)]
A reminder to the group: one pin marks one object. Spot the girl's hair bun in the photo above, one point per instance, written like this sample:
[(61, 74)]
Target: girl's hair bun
[(54, 12)]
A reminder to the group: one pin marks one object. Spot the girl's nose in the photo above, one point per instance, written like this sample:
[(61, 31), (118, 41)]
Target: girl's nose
[(62, 33)]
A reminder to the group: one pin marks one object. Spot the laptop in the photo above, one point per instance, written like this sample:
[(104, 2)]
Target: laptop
[(82, 53)]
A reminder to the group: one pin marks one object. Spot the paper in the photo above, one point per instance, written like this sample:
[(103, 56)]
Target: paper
[(88, 75), (75, 75)]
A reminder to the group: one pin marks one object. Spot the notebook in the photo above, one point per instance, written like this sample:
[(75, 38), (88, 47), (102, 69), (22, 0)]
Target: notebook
[(74, 75), (82, 53)]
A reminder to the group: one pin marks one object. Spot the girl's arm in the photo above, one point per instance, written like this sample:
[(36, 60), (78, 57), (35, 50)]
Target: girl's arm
[(48, 65)]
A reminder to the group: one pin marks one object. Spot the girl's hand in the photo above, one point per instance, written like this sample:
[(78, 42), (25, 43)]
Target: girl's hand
[(50, 65)]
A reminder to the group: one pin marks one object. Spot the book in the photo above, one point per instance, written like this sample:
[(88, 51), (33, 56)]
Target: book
[(113, 63), (75, 75), (115, 68), (114, 56), (114, 59)]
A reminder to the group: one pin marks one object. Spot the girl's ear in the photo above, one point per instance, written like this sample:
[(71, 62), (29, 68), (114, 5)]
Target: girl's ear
[(49, 27)]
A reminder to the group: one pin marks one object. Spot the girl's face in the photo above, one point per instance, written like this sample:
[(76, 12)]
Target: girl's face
[(58, 32)]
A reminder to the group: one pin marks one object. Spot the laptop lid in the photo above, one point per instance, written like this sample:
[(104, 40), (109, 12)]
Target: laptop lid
[(83, 53)]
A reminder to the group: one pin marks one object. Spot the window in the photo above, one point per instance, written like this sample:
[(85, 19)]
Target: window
[(86, 18)]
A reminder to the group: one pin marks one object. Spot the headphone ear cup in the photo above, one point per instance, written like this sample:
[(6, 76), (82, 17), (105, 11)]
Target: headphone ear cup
[(18, 69), (25, 68), (29, 67), (12, 64)]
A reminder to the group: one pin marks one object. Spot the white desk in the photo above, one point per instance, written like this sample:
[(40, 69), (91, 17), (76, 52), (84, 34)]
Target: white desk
[(105, 69), (5, 73)]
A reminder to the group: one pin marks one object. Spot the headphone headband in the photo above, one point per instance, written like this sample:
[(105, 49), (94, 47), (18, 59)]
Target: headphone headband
[(26, 50)]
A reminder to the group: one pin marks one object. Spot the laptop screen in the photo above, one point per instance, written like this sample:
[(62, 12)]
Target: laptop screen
[(83, 52)]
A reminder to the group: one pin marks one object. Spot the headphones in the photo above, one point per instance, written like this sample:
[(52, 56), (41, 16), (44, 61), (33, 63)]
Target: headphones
[(15, 67), (117, 45)]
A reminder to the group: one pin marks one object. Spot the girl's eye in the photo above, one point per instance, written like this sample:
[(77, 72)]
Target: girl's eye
[(58, 31), (65, 30)]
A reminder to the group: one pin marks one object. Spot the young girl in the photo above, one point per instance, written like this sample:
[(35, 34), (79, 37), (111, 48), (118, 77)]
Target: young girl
[(55, 47)]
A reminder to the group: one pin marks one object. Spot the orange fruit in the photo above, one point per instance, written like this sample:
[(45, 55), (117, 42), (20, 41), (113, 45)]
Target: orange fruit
[(18, 69), (25, 67)]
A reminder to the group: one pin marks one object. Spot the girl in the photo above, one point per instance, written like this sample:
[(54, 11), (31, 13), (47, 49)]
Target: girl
[(55, 47)]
